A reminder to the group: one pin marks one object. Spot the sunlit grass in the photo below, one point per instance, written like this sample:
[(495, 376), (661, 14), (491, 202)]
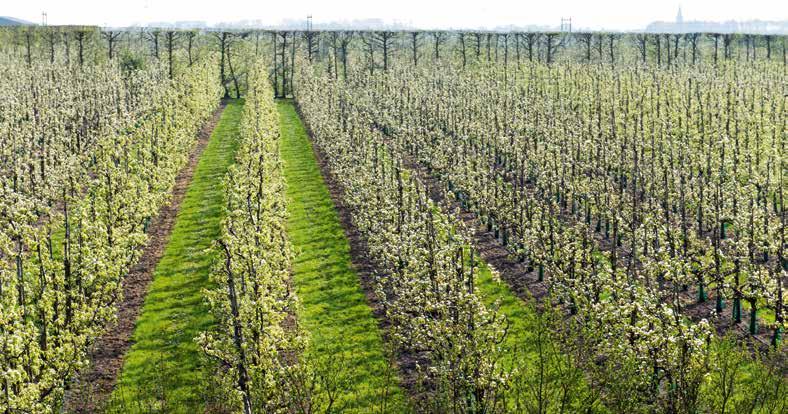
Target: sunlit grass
[(164, 369), (335, 313)]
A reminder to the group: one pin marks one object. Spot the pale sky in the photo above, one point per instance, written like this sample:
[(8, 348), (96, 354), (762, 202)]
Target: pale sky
[(594, 14)]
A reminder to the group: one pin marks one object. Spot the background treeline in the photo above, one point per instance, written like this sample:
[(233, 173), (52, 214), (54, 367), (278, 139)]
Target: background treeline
[(343, 51)]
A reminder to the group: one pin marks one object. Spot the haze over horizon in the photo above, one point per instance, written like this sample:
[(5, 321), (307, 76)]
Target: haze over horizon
[(441, 14)]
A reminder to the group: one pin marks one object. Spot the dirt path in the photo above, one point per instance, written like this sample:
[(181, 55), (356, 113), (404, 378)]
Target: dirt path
[(94, 385)]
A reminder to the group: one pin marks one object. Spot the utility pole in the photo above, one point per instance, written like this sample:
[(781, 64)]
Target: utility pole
[(309, 23), (566, 24), (43, 18)]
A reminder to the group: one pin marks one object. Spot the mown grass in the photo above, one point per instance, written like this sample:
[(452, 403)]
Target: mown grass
[(521, 354), (335, 312), (163, 370), (343, 328), (343, 331)]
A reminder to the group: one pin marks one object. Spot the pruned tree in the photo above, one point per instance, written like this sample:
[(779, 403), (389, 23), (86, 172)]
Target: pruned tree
[(438, 39), (28, 35), (311, 39), (600, 41), (463, 50), (368, 39), (51, 36), (333, 68), (667, 49), (345, 38), (415, 42), (716, 37), (489, 43), (67, 47), (641, 42), (584, 39), (478, 37), (768, 40), (171, 37), (531, 40), (153, 38), (692, 38), (727, 44), (280, 52), (111, 37), (552, 44), (81, 37), (505, 37), (612, 40), (190, 36), (223, 40), (385, 40)]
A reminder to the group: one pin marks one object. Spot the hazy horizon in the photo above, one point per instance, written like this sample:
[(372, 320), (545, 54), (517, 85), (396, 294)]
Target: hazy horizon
[(442, 14)]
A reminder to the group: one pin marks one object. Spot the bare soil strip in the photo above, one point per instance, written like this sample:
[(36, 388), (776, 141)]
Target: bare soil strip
[(94, 385)]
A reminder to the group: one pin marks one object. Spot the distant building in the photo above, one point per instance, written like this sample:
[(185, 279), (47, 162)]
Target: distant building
[(731, 26), (679, 19), (190, 24)]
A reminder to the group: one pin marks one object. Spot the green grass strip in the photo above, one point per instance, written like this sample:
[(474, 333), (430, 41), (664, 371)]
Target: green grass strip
[(163, 370), (341, 325), (498, 295), (519, 345)]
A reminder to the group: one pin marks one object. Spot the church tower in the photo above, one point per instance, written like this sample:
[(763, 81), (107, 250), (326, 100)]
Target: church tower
[(679, 27)]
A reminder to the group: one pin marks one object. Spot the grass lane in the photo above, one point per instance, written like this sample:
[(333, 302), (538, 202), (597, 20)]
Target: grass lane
[(342, 328), (164, 370), (335, 311)]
